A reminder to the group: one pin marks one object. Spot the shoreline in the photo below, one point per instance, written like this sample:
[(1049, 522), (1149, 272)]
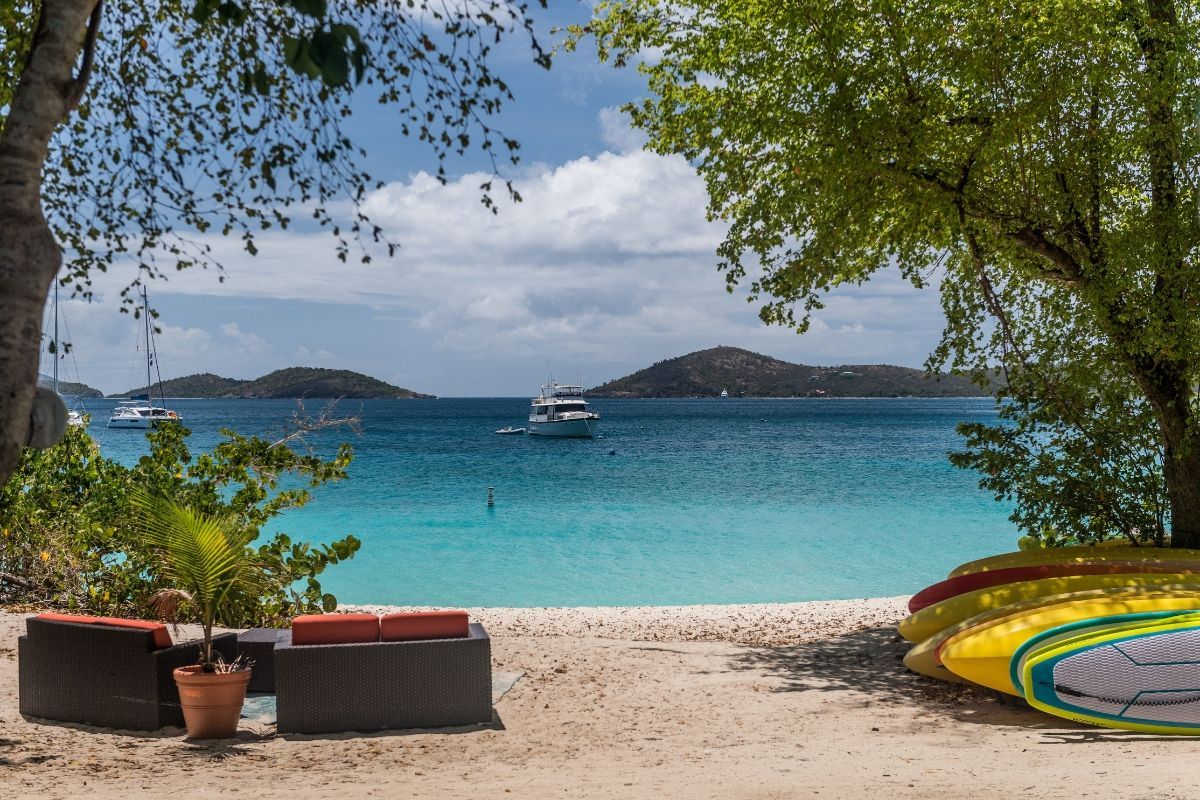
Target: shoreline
[(754, 624)]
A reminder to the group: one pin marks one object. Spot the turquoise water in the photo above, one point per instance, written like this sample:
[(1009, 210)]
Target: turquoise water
[(680, 501)]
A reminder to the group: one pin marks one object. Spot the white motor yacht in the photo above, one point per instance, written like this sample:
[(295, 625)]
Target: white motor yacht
[(560, 410)]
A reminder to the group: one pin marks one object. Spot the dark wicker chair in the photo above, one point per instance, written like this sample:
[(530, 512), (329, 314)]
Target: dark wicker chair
[(102, 675), (327, 688)]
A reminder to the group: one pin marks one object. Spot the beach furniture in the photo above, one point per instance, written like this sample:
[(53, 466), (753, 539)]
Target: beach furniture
[(360, 672), (103, 671)]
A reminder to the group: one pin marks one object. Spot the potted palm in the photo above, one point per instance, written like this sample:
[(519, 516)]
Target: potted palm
[(207, 561)]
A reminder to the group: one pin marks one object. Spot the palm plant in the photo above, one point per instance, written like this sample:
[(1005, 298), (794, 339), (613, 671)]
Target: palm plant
[(205, 558)]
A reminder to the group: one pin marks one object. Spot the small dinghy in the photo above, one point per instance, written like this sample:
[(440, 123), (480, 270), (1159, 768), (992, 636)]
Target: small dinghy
[(509, 431)]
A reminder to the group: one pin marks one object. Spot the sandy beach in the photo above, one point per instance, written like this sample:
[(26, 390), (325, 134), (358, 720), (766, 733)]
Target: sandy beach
[(745, 702)]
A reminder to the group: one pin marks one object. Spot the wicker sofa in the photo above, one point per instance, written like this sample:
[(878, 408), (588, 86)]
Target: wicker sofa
[(98, 674), (375, 685)]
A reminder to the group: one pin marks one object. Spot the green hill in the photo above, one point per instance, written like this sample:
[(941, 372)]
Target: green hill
[(285, 383), (746, 374), (70, 389)]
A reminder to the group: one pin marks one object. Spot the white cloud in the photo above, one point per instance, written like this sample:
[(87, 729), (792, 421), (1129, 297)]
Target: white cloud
[(618, 132), (608, 261)]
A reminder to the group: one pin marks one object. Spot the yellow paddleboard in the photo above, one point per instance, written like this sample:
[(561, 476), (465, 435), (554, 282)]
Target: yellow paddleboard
[(1062, 555), (984, 653), (951, 611), (922, 658)]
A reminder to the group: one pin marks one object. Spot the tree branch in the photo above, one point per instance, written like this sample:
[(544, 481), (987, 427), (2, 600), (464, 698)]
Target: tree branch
[(79, 82)]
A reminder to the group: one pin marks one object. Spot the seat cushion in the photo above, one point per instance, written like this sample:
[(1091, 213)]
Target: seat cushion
[(162, 637), (335, 629), (412, 625)]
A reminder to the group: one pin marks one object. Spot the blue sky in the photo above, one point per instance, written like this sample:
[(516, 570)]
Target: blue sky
[(606, 267)]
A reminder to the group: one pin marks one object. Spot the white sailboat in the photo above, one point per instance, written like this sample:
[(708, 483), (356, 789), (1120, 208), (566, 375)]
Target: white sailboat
[(74, 416), (137, 412)]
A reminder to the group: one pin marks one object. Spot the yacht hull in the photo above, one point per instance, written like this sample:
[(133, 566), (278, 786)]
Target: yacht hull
[(142, 424), (573, 428)]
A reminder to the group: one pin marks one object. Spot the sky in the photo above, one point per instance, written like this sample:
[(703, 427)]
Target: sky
[(606, 267)]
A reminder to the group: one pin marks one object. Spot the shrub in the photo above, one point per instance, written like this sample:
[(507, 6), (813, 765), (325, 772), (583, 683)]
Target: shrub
[(68, 532)]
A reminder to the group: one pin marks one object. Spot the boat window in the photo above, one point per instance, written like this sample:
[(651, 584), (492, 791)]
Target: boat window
[(572, 407)]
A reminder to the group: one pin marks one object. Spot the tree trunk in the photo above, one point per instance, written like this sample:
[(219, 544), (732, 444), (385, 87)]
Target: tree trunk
[(29, 256), (1182, 474), (1170, 395)]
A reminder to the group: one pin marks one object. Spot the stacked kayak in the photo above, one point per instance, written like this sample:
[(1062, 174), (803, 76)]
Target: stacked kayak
[(1104, 635)]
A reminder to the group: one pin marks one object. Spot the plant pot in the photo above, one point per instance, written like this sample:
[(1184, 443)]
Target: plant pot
[(211, 701)]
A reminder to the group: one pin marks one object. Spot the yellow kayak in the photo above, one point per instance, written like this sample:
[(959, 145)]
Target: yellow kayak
[(922, 658), (983, 654), (1084, 553), (939, 616)]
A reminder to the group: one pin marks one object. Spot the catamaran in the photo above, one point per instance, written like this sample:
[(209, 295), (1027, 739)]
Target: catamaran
[(137, 411), (560, 410)]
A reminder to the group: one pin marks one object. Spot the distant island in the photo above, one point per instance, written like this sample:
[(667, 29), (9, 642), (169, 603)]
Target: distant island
[(292, 382), (69, 388), (745, 374)]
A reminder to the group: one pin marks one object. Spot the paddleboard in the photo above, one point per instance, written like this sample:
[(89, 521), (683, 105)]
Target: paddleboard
[(1141, 679), (1081, 554), (1082, 629), (922, 657), (952, 587), (983, 654), (939, 616)]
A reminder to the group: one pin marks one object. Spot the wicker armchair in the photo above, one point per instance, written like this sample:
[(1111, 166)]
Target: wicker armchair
[(325, 688), (100, 675)]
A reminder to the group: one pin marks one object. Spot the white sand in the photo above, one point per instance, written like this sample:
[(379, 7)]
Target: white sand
[(673, 707)]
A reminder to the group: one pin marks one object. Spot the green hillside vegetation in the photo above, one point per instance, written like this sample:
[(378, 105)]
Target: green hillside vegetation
[(292, 382), (746, 374), (69, 388)]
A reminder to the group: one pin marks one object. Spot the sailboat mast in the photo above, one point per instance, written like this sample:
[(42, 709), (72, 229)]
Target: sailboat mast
[(55, 352), (146, 314)]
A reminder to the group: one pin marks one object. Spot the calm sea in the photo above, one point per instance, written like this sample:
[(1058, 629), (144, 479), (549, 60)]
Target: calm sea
[(680, 501)]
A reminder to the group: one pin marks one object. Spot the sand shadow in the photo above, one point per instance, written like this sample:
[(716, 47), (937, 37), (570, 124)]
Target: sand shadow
[(9, 757), (871, 662)]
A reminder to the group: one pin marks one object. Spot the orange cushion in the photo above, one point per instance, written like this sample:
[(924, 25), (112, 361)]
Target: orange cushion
[(162, 637), (51, 617), (335, 629), (424, 625)]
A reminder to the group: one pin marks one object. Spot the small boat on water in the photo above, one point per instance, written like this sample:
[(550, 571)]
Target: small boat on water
[(724, 393), (560, 410), (508, 430)]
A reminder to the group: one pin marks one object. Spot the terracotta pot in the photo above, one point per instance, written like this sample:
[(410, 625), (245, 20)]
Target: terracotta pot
[(212, 701)]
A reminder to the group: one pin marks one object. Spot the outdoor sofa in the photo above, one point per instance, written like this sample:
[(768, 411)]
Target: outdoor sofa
[(360, 672), (104, 671)]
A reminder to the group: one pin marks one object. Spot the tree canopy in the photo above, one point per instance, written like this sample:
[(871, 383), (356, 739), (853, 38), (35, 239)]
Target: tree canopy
[(1035, 160), (133, 132)]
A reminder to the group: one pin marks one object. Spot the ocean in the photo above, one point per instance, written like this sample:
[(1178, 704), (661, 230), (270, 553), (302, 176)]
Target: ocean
[(678, 502)]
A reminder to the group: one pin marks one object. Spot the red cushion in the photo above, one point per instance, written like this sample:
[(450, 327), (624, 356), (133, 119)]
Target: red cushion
[(424, 625), (162, 637), (335, 629), (51, 617)]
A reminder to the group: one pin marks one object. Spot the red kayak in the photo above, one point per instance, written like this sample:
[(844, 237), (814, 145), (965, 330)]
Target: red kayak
[(952, 587)]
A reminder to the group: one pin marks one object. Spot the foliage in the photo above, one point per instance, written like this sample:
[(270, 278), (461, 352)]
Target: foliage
[(70, 532), (206, 117), (1037, 160), (205, 560)]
